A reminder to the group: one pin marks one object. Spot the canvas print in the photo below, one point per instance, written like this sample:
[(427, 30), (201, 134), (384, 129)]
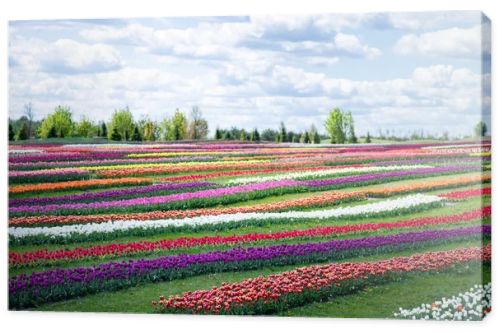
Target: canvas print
[(329, 165)]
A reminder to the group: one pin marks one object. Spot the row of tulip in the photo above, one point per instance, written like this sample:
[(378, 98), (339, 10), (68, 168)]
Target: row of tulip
[(81, 163), (323, 172), (55, 284), (79, 184), (46, 256), (151, 190), (308, 201), (98, 231), (274, 293), (465, 194), (227, 195), (50, 175), (470, 305)]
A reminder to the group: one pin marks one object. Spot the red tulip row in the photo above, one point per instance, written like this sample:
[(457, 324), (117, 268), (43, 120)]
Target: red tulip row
[(464, 194), (302, 285), (123, 249)]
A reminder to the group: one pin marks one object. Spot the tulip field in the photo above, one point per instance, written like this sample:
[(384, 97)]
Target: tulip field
[(227, 227)]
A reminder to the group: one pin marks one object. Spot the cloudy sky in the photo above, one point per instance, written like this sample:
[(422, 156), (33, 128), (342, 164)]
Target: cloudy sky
[(400, 72)]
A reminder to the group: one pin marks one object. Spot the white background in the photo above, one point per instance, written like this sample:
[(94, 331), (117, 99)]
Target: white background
[(21, 322)]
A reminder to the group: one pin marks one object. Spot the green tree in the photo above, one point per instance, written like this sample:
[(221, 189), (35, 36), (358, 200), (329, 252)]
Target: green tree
[(304, 138), (227, 135), (243, 135), (480, 129), (28, 112), (349, 128), (165, 128), (314, 135), (334, 125), (23, 132), (282, 137), (197, 127), (150, 131), (218, 134), (85, 128), (104, 130), (255, 136), (61, 120), (123, 121), (179, 125), (115, 135), (136, 135), (52, 132), (368, 138), (269, 135), (11, 132)]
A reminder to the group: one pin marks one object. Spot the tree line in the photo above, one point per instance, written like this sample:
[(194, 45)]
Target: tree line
[(121, 127), (339, 126)]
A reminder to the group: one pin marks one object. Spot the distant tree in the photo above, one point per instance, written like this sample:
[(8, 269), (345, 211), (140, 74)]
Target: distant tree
[(334, 125), (104, 130), (28, 112), (179, 125), (123, 121), (61, 120), (282, 137), (149, 130), (269, 135), (243, 135), (136, 135), (165, 129), (295, 138), (197, 126), (115, 135), (85, 128), (314, 135), (52, 132), (218, 134), (368, 138), (23, 132), (255, 136), (227, 135), (349, 128), (480, 129), (304, 138), (11, 132)]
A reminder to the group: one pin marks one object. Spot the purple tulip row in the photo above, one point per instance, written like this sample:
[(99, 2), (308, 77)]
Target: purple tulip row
[(66, 156), (160, 199), (32, 173), (107, 193), (55, 164), (130, 269)]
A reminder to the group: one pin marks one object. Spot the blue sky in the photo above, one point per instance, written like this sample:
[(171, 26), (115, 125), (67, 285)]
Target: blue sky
[(394, 71)]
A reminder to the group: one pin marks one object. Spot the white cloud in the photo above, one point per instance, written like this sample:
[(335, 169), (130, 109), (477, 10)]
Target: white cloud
[(453, 42), (224, 40), (64, 56)]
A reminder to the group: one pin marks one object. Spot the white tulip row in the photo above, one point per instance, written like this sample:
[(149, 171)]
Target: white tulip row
[(26, 151), (471, 305), (324, 172), (405, 202), (438, 147)]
